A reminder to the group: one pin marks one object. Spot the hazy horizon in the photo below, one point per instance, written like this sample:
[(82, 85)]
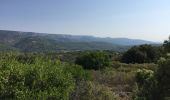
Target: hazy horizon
[(146, 19), (88, 35)]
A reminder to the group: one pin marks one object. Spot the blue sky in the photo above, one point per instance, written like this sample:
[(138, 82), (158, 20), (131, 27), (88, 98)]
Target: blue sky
[(140, 19)]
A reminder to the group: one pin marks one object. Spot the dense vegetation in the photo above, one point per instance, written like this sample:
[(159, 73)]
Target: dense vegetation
[(37, 78), (141, 54), (93, 60), (154, 84), (43, 76)]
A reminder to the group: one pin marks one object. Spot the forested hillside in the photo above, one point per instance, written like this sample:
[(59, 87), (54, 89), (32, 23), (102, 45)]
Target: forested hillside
[(42, 42)]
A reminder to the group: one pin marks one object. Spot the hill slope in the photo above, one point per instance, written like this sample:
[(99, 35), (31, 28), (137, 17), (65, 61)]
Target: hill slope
[(36, 42)]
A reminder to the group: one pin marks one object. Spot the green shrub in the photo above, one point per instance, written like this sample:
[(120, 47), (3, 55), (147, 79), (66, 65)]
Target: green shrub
[(94, 60), (42, 80), (163, 78), (146, 85), (166, 46), (141, 54), (77, 72), (154, 85)]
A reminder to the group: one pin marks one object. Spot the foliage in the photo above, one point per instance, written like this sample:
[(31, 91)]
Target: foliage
[(166, 46), (77, 72), (163, 77), (146, 85), (154, 86), (141, 54), (42, 80), (93, 60)]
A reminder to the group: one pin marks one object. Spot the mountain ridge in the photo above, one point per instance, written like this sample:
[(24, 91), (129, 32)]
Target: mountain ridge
[(32, 41), (84, 36)]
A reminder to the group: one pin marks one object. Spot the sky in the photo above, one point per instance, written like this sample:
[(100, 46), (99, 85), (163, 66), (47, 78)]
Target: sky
[(137, 19)]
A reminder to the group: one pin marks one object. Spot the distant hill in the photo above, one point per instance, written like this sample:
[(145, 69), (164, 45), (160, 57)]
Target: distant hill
[(42, 42), (117, 41)]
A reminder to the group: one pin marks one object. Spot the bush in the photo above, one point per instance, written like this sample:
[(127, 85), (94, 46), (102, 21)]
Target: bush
[(146, 85), (77, 72), (154, 86), (166, 46), (163, 78), (141, 54), (93, 60), (42, 80)]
